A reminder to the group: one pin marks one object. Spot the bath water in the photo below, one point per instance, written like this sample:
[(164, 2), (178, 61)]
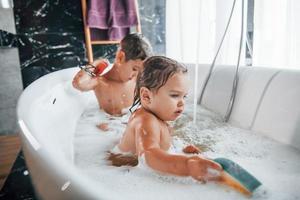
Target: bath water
[(276, 165)]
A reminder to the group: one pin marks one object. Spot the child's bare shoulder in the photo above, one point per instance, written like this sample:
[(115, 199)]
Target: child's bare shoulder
[(102, 83), (144, 119), (144, 115)]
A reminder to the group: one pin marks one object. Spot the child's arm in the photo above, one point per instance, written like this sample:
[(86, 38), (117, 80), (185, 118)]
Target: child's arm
[(147, 142), (87, 78), (84, 82)]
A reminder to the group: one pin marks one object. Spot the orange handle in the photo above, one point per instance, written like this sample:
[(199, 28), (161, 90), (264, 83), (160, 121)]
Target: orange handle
[(101, 66)]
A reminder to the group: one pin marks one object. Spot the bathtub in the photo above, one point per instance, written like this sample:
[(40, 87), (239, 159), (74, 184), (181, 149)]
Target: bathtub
[(267, 102)]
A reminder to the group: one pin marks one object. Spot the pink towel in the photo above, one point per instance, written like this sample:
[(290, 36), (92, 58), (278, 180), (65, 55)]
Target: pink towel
[(111, 19)]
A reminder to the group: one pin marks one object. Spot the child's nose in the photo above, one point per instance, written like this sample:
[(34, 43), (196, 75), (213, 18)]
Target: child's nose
[(181, 103)]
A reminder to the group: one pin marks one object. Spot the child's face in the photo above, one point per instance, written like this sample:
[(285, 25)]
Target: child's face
[(168, 102), (130, 69)]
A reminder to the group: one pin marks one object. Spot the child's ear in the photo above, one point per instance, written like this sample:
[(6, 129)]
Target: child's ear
[(120, 57), (145, 95)]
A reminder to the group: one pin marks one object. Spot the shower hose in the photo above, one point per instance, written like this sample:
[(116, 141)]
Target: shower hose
[(235, 81)]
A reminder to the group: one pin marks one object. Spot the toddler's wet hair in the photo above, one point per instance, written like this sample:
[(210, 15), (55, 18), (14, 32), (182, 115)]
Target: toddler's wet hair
[(157, 71), (136, 46)]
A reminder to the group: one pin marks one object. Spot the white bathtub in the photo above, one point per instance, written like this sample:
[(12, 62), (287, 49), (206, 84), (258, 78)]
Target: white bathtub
[(267, 102)]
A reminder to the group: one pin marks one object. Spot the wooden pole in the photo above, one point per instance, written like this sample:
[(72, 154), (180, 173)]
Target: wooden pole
[(87, 33)]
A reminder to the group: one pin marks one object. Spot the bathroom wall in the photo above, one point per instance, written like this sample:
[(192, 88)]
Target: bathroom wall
[(153, 15), (41, 36), (51, 34), (10, 73)]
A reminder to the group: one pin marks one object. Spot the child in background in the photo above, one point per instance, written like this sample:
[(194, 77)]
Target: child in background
[(160, 91), (114, 88)]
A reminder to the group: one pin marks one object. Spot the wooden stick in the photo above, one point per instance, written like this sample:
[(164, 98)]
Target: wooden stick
[(87, 33), (138, 27)]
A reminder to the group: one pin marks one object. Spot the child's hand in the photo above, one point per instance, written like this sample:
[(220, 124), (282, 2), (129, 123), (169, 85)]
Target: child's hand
[(203, 169), (191, 149)]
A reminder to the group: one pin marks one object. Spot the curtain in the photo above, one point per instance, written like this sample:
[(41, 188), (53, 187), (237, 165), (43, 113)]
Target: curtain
[(276, 39), (201, 23), (276, 32)]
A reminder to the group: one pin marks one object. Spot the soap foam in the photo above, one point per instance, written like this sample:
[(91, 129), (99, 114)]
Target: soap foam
[(276, 165)]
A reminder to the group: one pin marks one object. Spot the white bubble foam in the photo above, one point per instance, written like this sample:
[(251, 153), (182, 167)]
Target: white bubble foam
[(276, 165)]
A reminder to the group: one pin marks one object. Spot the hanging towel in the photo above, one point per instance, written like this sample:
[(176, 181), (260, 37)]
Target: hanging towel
[(111, 19)]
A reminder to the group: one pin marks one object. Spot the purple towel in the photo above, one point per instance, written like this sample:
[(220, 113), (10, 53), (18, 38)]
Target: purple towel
[(112, 17)]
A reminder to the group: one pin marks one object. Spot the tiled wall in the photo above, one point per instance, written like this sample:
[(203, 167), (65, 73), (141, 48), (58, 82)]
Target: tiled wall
[(49, 36), (53, 39)]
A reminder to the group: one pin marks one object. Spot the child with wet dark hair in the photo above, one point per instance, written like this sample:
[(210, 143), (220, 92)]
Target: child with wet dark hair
[(113, 84), (160, 97)]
